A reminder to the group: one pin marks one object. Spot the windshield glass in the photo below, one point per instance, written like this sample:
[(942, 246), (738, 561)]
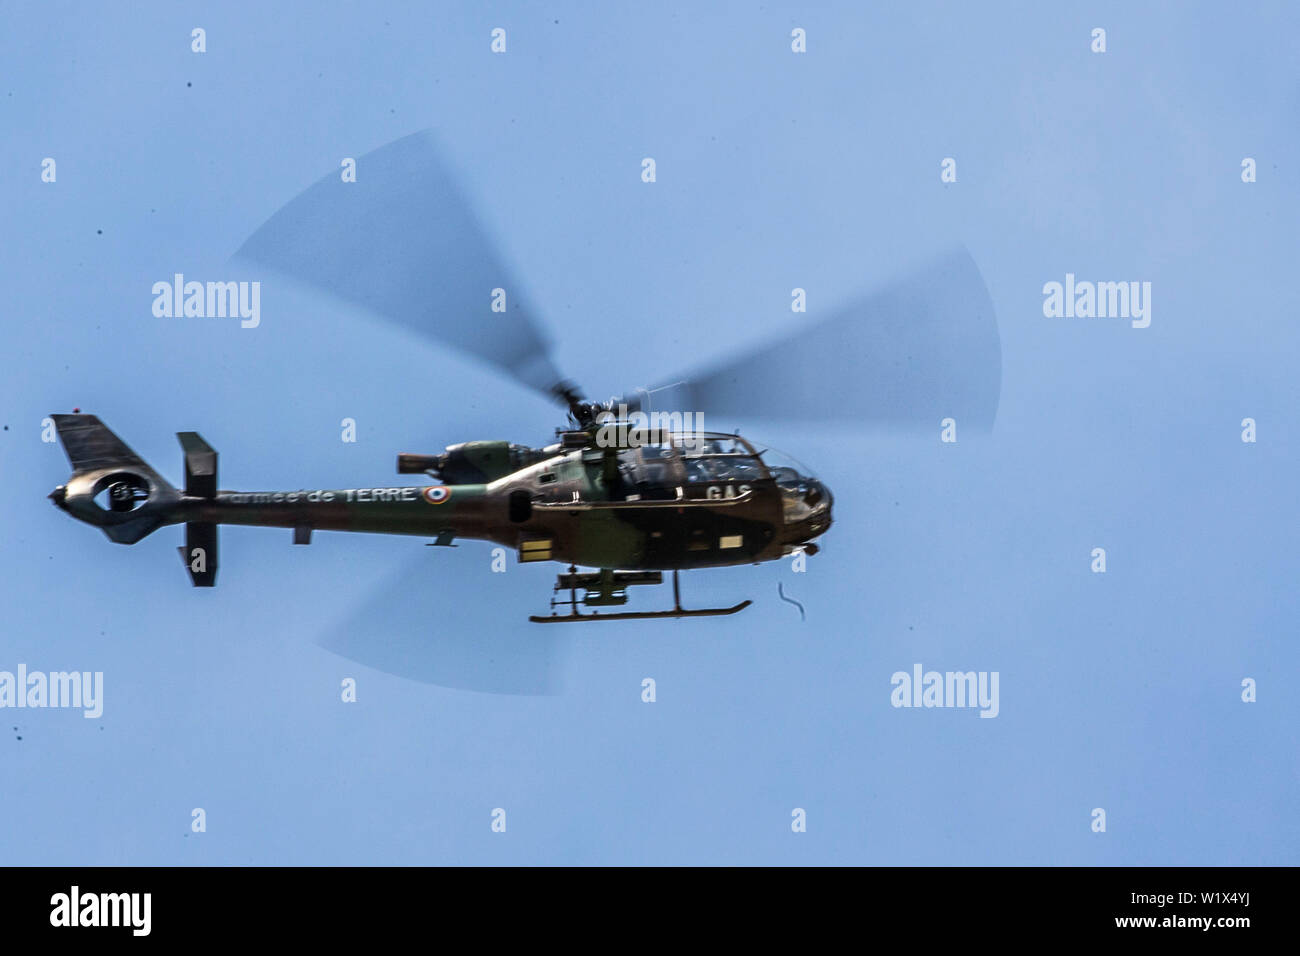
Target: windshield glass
[(784, 469)]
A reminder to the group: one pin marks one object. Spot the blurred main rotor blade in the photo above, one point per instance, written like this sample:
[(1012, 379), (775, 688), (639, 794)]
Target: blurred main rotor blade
[(417, 626), (402, 242), (917, 351)]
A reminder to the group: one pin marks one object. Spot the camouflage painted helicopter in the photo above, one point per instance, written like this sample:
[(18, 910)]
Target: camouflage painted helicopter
[(611, 494), (676, 501)]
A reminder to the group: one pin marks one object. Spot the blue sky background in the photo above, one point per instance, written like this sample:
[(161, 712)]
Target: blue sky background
[(1119, 691)]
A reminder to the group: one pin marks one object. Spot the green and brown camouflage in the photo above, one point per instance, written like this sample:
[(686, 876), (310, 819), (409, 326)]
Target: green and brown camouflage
[(666, 506)]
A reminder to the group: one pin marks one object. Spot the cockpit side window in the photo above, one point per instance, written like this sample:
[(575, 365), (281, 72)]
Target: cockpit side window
[(723, 468), (715, 457), (650, 471), (654, 463)]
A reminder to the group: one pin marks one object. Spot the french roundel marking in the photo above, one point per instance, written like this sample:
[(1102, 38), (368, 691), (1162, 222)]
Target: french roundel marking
[(437, 494)]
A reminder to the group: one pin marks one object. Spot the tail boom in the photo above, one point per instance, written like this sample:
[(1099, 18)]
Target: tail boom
[(112, 488)]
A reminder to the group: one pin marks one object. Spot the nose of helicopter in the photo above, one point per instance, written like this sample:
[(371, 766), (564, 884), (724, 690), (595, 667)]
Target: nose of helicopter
[(821, 500), (807, 510), (819, 495)]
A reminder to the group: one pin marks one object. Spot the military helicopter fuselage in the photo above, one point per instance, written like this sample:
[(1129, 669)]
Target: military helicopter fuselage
[(679, 502)]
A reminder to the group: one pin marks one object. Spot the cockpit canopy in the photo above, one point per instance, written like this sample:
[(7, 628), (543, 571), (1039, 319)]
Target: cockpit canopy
[(714, 457)]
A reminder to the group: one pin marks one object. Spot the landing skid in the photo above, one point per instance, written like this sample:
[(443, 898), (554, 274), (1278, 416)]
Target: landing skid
[(637, 615), (610, 594)]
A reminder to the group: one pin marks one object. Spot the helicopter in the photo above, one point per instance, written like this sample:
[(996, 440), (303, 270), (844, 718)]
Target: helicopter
[(678, 501), (621, 490)]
